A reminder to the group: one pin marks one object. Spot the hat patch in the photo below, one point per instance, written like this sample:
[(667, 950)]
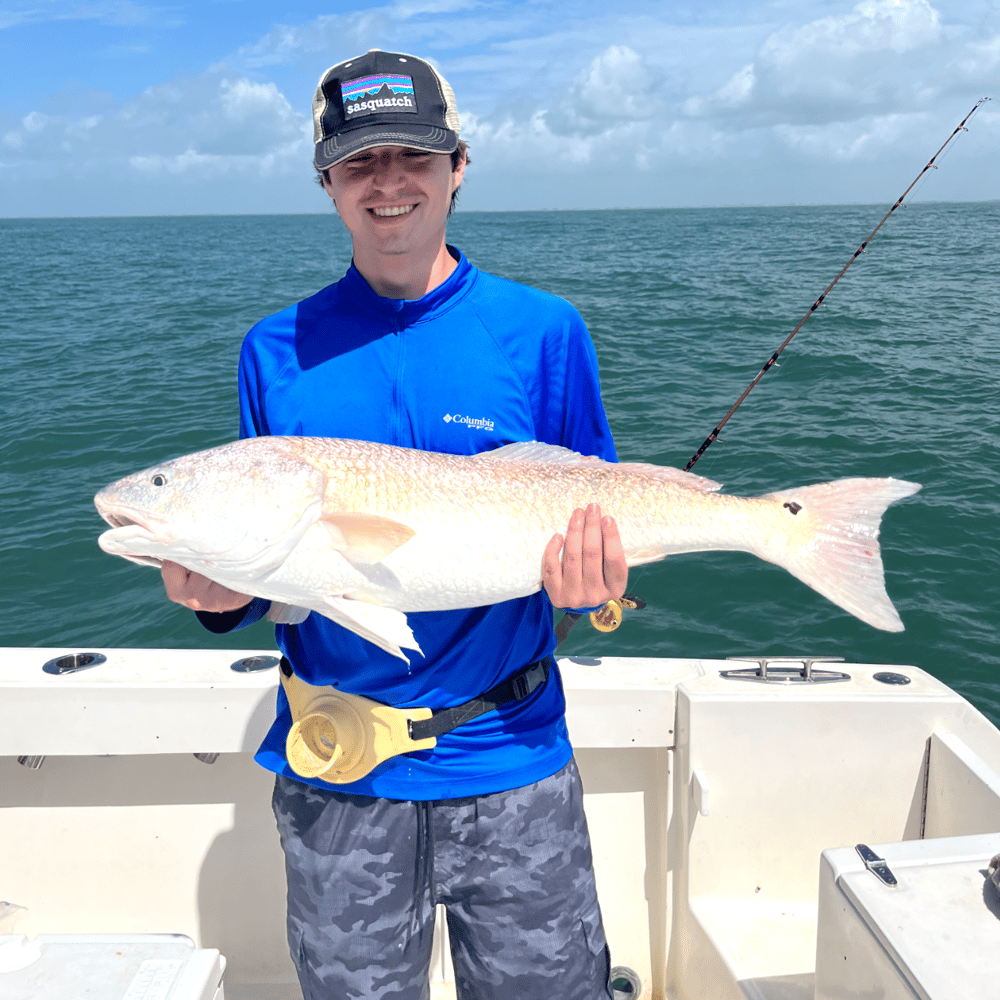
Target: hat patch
[(378, 93)]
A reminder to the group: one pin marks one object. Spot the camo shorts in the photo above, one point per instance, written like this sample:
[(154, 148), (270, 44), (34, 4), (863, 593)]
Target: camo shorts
[(512, 869)]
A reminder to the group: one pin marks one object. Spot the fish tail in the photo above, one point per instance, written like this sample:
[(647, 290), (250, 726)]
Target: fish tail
[(837, 553)]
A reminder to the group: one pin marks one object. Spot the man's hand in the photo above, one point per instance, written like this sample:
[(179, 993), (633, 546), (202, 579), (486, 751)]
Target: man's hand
[(593, 568), (199, 593)]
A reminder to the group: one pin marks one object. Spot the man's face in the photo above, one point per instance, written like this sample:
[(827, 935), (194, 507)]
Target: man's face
[(394, 199)]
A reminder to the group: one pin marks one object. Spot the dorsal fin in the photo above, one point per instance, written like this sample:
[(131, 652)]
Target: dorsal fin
[(537, 451), (553, 454), (671, 475)]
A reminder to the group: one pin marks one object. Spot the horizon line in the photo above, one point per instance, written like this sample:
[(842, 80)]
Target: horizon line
[(501, 211)]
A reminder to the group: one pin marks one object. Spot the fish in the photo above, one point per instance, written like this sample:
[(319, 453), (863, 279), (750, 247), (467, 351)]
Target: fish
[(364, 533), (10, 915)]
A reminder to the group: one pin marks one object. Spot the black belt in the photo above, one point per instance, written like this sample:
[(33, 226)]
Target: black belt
[(515, 688)]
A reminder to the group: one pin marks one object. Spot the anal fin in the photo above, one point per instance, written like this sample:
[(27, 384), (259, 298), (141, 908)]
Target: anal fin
[(287, 614), (384, 627)]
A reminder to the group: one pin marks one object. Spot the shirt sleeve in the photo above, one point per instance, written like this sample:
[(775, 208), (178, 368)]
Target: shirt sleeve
[(253, 420), (571, 412), (228, 621)]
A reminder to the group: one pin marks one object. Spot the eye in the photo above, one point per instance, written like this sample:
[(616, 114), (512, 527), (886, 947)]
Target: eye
[(158, 479)]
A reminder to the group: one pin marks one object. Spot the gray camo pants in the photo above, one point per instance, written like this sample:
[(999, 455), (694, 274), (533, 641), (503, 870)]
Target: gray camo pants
[(513, 870)]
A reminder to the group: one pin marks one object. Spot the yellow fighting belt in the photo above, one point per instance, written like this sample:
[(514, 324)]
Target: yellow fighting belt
[(339, 737)]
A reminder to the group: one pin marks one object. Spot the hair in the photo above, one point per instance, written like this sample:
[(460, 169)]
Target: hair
[(459, 155)]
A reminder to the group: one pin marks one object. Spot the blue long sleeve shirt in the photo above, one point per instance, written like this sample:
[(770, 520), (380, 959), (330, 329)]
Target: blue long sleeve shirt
[(477, 363)]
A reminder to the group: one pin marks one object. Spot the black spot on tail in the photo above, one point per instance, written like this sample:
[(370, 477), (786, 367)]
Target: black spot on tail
[(793, 507)]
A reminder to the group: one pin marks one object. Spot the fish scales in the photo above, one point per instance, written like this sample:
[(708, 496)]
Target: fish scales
[(526, 503), (363, 532)]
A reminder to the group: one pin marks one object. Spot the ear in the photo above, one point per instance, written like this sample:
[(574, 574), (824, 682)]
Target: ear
[(457, 174), (326, 184)]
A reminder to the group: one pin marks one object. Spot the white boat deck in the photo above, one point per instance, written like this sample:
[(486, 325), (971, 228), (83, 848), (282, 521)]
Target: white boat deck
[(711, 802)]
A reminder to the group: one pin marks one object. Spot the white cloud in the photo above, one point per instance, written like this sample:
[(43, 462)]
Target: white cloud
[(614, 89), (556, 98), (873, 25), (531, 143), (882, 57), (199, 126), (335, 36), (34, 122), (733, 93), (412, 8), (603, 115), (843, 141), (977, 62), (117, 13)]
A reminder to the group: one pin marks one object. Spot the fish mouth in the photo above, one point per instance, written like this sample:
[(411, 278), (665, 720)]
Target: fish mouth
[(119, 515), (129, 527), (120, 522)]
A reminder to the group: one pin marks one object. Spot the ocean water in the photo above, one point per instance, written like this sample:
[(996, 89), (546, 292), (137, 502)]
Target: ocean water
[(120, 339)]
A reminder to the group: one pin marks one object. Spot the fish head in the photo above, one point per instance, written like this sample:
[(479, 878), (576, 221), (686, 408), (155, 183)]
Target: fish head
[(239, 509)]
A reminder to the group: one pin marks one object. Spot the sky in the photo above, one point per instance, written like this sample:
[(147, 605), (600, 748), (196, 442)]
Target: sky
[(128, 107)]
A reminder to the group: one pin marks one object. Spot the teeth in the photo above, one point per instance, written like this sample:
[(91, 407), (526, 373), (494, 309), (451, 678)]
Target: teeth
[(402, 210)]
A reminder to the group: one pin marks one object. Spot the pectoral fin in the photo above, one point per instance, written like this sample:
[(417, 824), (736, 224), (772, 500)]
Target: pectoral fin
[(385, 627), (365, 538)]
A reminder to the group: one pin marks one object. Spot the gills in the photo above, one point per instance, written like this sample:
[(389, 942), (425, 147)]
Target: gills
[(363, 532)]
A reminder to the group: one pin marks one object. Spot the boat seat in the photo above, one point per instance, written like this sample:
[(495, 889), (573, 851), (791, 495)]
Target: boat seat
[(766, 949)]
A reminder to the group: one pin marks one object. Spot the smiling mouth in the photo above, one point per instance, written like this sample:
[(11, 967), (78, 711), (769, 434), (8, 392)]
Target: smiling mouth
[(388, 213)]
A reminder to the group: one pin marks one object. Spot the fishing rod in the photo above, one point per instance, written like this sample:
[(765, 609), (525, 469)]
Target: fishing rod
[(609, 617), (857, 253)]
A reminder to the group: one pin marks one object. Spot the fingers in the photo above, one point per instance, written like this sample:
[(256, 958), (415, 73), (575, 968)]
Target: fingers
[(592, 569), (197, 592), (615, 566), (551, 565), (591, 558)]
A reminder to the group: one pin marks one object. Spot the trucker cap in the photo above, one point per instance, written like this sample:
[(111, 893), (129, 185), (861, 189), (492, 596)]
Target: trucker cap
[(382, 99)]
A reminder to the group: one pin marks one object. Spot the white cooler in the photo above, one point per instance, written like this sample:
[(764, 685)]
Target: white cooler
[(108, 967), (935, 934)]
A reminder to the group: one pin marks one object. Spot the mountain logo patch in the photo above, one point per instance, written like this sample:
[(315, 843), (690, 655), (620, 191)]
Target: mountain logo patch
[(378, 93)]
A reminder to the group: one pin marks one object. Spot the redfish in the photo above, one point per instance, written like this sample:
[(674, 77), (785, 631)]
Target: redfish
[(363, 533)]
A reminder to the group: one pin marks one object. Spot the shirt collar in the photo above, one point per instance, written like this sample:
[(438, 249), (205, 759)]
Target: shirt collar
[(409, 311)]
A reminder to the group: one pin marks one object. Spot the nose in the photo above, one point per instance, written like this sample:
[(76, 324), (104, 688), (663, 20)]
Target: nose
[(389, 166)]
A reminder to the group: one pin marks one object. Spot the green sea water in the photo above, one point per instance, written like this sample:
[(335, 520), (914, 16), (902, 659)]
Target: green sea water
[(120, 339)]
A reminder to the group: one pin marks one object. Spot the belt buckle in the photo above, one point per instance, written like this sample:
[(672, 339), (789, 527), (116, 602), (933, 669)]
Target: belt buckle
[(521, 686)]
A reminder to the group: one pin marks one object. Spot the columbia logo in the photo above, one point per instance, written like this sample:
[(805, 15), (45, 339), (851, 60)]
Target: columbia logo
[(474, 423)]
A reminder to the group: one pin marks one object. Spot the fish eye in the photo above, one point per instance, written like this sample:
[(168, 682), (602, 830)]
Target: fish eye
[(158, 479)]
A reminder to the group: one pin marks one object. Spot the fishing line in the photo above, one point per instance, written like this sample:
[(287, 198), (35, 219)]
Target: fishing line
[(857, 253)]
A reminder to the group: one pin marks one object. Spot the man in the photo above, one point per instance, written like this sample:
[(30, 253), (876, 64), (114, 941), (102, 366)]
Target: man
[(416, 347)]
